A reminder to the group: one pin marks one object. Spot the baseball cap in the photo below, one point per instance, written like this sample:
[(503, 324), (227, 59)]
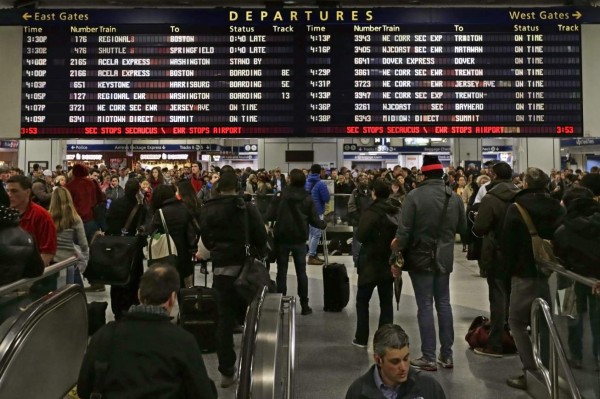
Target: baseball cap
[(47, 172)]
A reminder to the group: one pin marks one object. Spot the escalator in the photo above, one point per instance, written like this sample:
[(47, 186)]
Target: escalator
[(554, 339), (268, 349), (42, 345)]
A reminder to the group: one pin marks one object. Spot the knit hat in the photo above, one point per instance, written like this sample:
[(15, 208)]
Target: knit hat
[(432, 167), (9, 216)]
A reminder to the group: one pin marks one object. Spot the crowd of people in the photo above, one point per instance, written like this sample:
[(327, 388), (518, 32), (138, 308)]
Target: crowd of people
[(413, 214)]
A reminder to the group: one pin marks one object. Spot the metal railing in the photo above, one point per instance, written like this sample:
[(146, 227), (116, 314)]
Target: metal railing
[(540, 311), (261, 358), (540, 308), (52, 269)]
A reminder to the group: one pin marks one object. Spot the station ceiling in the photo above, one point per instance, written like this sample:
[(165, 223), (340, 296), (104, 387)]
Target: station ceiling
[(289, 3)]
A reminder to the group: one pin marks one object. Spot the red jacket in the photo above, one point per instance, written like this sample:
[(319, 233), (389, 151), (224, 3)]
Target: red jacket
[(86, 193)]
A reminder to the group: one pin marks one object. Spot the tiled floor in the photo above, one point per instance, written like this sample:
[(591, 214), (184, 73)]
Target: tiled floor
[(327, 363)]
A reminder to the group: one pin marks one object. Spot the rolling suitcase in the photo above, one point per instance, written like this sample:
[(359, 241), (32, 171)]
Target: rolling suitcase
[(336, 284), (199, 315)]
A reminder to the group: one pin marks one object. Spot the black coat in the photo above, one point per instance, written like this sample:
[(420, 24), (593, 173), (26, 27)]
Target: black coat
[(376, 230), (4, 200), (222, 232), (292, 211), (149, 357), (19, 256), (577, 240), (489, 222), (546, 214), (118, 213), (180, 223)]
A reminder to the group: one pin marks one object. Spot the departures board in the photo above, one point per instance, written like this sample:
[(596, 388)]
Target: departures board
[(301, 72)]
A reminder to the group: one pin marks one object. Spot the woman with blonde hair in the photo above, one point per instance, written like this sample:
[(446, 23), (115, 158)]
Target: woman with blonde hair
[(69, 232)]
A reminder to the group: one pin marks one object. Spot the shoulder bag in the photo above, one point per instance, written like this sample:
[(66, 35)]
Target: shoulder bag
[(542, 249), (111, 257), (161, 247), (253, 275), (421, 256)]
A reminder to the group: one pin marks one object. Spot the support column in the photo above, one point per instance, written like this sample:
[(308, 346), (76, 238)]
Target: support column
[(543, 153), (465, 149)]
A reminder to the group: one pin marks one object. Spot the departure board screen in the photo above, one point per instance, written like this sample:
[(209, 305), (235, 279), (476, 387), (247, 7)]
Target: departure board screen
[(301, 73)]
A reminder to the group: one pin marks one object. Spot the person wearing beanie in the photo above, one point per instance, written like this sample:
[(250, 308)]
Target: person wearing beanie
[(320, 195), (425, 227)]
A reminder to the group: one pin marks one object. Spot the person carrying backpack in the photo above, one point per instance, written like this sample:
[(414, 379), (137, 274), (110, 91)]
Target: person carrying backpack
[(376, 231)]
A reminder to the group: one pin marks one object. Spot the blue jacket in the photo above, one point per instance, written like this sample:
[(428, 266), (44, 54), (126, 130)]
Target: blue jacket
[(318, 190)]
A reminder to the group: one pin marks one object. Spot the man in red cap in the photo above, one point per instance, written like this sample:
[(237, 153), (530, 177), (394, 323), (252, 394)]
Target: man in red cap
[(431, 216)]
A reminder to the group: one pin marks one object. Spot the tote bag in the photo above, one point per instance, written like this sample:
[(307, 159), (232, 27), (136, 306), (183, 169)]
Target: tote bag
[(161, 247)]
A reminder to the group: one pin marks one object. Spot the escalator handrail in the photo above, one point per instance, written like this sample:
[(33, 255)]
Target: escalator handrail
[(540, 309), (560, 269), (291, 346), (52, 269), (30, 316), (249, 345)]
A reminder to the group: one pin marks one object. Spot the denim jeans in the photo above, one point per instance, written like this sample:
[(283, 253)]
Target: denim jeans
[(429, 287), (586, 303), (228, 304), (313, 239), (90, 227), (385, 290), (299, 254), (74, 276)]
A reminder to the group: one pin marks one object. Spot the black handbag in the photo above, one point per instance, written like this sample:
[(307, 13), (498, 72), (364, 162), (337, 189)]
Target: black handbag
[(421, 256), (254, 276), (112, 257)]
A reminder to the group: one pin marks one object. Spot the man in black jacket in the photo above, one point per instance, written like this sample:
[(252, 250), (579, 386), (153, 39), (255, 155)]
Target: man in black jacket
[(222, 221), (376, 231), (359, 200), (489, 223), (577, 244), (527, 282), (391, 376), (292, 211), (145, 355)]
